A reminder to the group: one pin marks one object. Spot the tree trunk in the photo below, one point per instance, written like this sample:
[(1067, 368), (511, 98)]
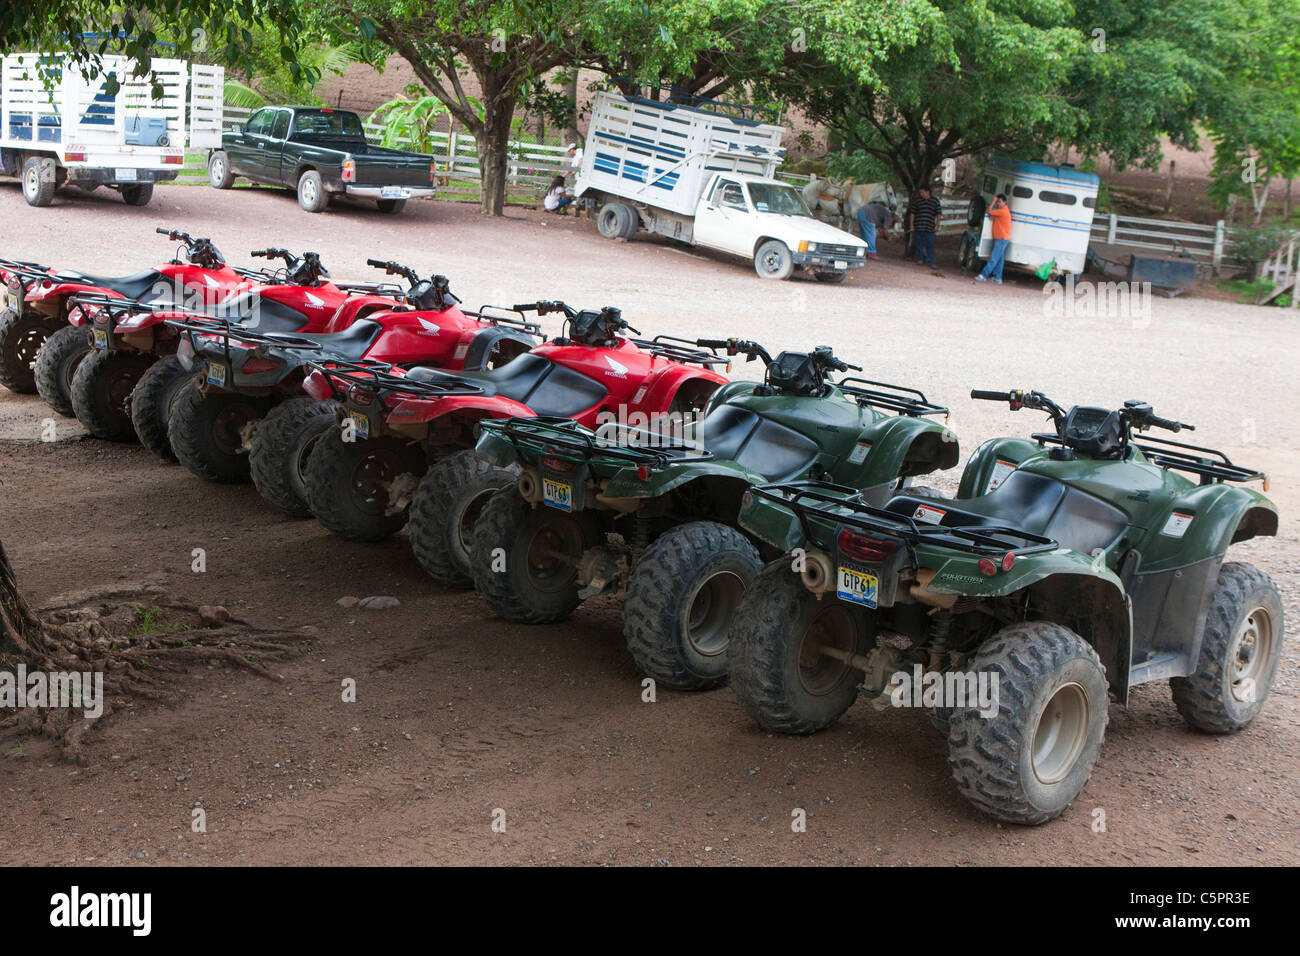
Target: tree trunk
[(493, 156), (21, 633), (571, 94)]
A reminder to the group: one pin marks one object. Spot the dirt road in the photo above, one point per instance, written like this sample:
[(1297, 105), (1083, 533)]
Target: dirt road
[(459, 714)]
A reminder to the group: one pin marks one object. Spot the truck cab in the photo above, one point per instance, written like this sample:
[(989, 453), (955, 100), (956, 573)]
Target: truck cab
[(703, 173)]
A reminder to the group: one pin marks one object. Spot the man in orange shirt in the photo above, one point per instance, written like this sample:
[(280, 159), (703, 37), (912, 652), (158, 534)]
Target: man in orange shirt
[(1000, 216)]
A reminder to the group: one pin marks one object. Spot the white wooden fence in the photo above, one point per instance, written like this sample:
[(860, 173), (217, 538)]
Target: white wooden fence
[(1282, 268)]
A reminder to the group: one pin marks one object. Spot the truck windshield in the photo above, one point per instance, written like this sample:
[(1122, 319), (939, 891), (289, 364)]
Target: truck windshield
[(782, 200), (326, 123)]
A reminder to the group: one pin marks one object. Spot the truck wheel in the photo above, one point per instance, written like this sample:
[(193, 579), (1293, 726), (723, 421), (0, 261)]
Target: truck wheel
[(101, 392), (681, 596), (833, 277), (278, 453), (448, 502), (151, 403), (207, 431), (1028, 761), (311, 192), (1240, 651), (219, 174), (348, 483), (633, 222), (391, 206), (38, 181), (524, 560), (21, 338), (612, 220), (774, 655), (137, 195), (773, 260), (56, 364), (966, 257)]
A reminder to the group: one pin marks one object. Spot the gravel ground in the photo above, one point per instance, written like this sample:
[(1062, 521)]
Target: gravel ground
[(465, 714)]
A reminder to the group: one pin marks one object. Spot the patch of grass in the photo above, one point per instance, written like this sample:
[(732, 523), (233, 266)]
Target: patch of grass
[(148, 619), (1248, 291)]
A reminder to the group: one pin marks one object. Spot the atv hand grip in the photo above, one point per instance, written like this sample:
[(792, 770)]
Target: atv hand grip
[(986, 396), (1169, 423), (713, 343), (163, 232), (528, 307), (377, 263), (261, 253)]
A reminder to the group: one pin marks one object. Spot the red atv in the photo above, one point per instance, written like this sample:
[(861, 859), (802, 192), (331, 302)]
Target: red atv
[(43, 338), (399, 422), (125, 389), (250, 396)]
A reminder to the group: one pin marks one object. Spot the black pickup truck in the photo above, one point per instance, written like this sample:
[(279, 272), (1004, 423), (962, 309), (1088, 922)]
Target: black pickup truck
[(322, 153)]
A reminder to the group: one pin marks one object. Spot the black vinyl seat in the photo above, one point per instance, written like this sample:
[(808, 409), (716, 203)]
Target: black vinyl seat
[(1029, 502), (548, 389), (252, 311), (351, 343), (131, 287), (771, 450)]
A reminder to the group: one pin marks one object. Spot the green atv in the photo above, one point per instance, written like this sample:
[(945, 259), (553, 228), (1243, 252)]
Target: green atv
[(541, 546), (1069, 567)]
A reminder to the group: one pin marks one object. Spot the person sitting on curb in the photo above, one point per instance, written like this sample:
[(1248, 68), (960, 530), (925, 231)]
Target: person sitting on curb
[(999, 214), (557, 197), (873, 221)]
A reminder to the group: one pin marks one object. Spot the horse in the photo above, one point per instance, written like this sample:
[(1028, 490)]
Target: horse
[(842, 199)]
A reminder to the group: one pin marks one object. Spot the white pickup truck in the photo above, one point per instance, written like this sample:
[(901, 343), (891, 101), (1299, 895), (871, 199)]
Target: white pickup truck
[(704, 177)]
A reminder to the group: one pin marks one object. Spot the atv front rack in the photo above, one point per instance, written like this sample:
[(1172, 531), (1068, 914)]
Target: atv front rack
[(226, 331), (844, 506), (1179, 456), (681, 350), (379, 376), (566, 439), (893, 398), (500, 315)]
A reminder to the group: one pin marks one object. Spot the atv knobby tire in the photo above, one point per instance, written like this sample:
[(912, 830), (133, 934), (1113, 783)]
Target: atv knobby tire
[(151, 403), (101, 392), (1027, 762), (1240, 651), (447, 503), (206, 430), (21, 338), (681, 597), (523, 558), (281, 446), (56, 365), (348, 483), (776, 670)]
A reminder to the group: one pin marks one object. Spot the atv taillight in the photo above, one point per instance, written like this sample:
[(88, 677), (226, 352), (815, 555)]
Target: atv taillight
[(317, 386), (988, 567), (1008, 561), (557, 464), (360, 395), (349, 170), (185, 352), (861, 548), (255, 365), (76, 315)]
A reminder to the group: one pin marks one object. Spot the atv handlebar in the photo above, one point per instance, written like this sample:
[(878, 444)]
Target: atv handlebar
[(395, 268), (986, 396), (735, 346), (175, 234)]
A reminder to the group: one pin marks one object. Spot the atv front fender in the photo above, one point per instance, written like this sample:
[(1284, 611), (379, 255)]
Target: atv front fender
[(627, 484), (663, 387), (902, 446), (1220, 514), (983, 464), (486, 343)]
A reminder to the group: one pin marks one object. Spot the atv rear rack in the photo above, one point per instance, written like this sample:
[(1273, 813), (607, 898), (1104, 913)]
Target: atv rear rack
[(1177, 455), (504, 316), (226, 331), (830, 501), (26, 271), (894, 398), (117, 306), (568, 440), (681, 350), (379, 376)]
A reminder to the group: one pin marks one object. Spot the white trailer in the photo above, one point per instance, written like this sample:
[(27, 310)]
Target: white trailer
[(59, 127), (700, 175)]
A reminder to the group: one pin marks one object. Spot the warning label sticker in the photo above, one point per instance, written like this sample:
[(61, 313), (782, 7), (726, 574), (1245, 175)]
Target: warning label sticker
[(928, 514), (859, 454), (1001, 469), (1177, 524)]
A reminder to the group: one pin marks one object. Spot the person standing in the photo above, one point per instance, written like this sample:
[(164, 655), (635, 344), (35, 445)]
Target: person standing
[(999, 215), (923, 219), (873, 222)]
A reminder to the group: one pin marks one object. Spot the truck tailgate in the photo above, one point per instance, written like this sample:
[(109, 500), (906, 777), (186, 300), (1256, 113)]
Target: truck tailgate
[(393, 169)]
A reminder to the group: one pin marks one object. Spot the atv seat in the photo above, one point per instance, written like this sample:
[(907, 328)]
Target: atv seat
[(349, 344), (753, 442), (1027, 502), (254, 312), (131, 287), (548, 389)]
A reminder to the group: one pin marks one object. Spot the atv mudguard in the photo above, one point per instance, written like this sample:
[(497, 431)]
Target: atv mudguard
[(983, 463), (662, 387), (484, 343), (902, 446), (1221, 514)]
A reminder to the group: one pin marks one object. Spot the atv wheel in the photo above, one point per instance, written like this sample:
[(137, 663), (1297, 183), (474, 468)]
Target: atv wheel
[(101, 392), (311, 192), (56, 365), (137, 195), (151, 403), (1240, 651), (278, 453), (348, 483), (777, 669), (207, 431), (773, 260), (540, 548), (681, 596), (1027, 762), (219, 174), (21, 338), (446, 505)]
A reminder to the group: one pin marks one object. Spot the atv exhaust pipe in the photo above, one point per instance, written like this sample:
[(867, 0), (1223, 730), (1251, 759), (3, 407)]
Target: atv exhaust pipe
[(530, 486), (818, 574)]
